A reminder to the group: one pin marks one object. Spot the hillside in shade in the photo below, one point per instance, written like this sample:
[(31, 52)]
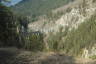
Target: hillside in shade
[(38, 7)]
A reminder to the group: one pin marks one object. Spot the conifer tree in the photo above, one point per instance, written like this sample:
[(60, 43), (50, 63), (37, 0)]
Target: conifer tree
[(8, 24)]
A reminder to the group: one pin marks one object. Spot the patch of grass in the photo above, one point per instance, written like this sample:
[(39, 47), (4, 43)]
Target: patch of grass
[(93, 57)]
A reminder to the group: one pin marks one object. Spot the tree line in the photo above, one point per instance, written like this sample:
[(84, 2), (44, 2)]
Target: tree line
[(14, 31)]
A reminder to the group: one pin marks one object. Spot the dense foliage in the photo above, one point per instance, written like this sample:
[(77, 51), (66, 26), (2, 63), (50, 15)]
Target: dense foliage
[(8, 24), (34, 41), (13, 31)]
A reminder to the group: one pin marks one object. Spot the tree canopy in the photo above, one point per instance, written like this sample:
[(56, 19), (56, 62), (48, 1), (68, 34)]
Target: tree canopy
[(7, 27)]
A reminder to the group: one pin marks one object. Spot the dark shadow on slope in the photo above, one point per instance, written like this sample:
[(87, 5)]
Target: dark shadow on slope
[(59, 59), (15, 56), (42, 58), (7, 55)]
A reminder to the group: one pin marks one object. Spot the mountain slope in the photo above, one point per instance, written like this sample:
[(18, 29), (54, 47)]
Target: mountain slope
[(70, 16), (73, 30), (38, 7), (70, 28)]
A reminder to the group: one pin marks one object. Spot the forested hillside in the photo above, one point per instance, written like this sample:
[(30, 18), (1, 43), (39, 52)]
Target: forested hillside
[(38, 7), (63, 32)]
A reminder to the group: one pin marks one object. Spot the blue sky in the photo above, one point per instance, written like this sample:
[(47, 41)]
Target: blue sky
[(13, 2)]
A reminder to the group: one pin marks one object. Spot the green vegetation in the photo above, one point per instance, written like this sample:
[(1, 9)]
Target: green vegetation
[(36, 8), (71, 42), (13, 31), (74, 41), (84, 36), (93, 57), (8, 24), (54, 40), (34, 42)]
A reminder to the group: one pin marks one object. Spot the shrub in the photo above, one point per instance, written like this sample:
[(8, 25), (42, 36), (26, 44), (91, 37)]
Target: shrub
[(34, 42)]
